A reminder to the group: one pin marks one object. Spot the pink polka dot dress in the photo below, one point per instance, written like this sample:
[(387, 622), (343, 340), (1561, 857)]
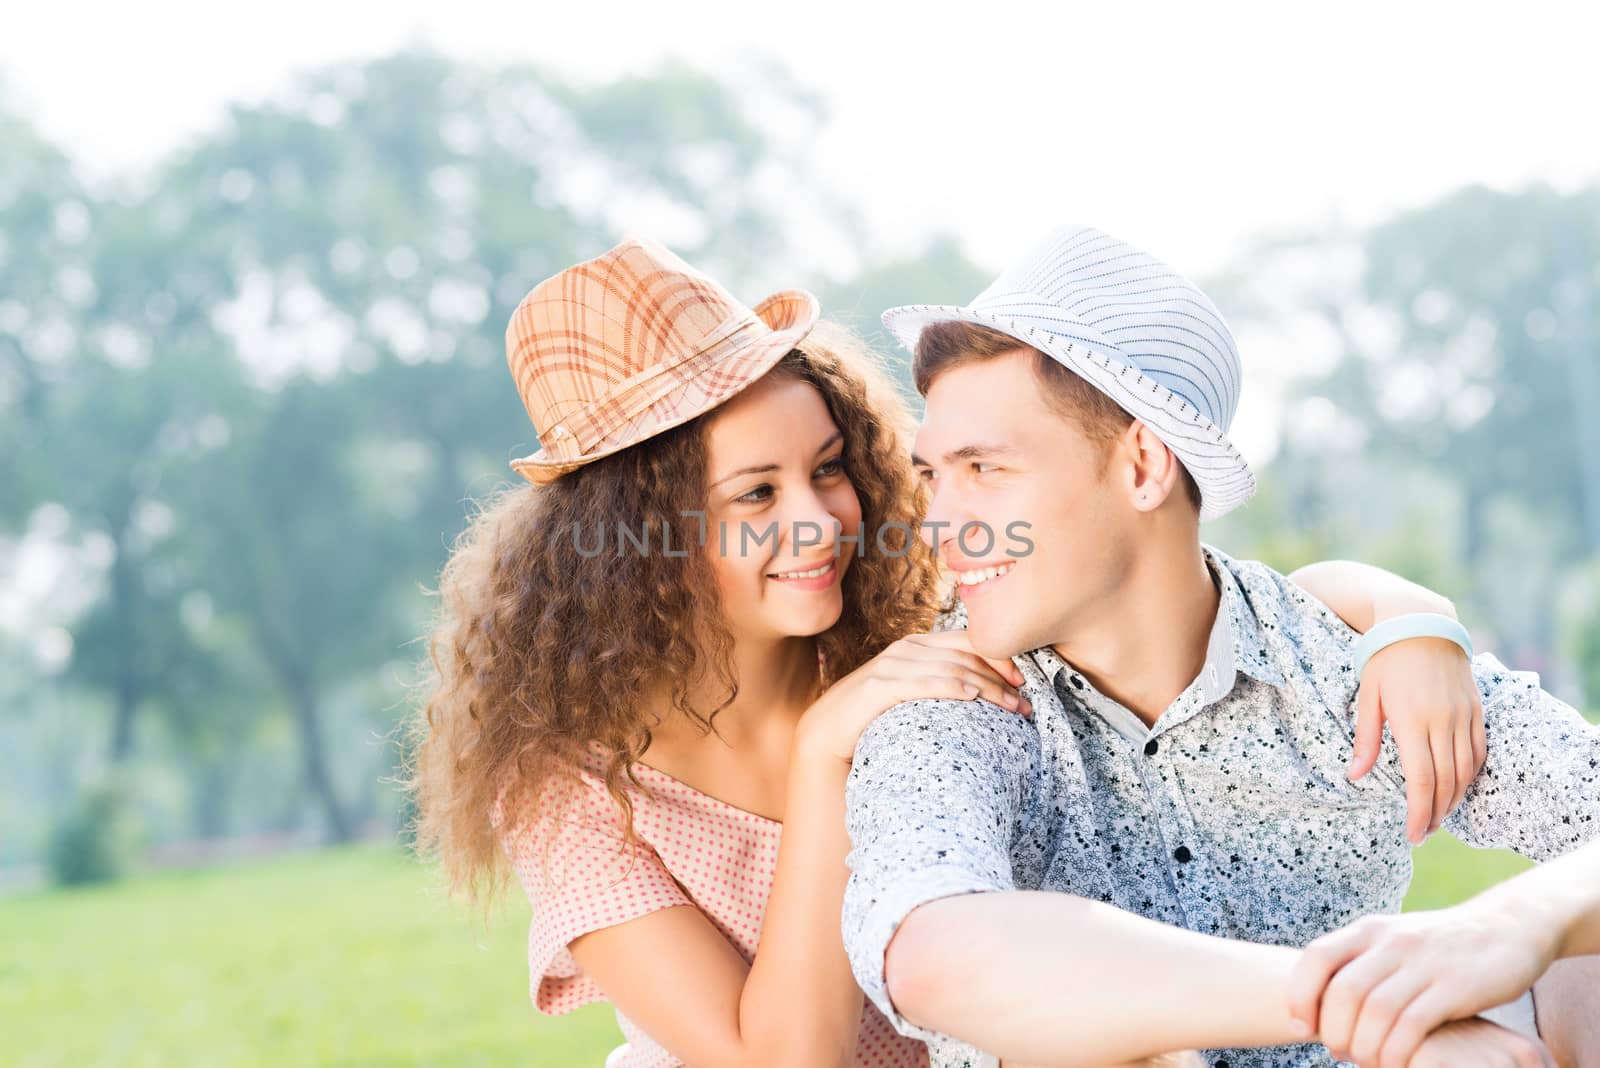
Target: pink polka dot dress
[(693, 850)]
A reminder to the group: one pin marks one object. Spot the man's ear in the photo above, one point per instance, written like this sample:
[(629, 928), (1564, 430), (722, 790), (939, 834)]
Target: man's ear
[(1152, 471)]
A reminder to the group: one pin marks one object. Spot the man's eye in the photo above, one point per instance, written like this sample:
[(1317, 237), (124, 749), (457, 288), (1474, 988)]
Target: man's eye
[(983, 469), (926, 474)]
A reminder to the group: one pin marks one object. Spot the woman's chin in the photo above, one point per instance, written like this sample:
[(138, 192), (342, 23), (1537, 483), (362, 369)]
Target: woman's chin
[(809, 624)]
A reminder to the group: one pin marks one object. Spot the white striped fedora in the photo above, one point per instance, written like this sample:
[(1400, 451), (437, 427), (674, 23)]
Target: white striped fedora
[(1131, 326)]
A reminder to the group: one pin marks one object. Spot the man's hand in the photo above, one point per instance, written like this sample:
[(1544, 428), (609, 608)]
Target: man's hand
[(1477, 1044), (1374, 991)]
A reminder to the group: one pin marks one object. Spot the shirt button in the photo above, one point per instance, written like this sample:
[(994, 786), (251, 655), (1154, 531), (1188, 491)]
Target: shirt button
[(1077, 681), (1150, 747), (1182, 855)]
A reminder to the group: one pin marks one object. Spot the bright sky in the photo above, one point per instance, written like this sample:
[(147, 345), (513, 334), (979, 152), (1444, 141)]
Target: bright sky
[(1175, 126), (1171, 125)]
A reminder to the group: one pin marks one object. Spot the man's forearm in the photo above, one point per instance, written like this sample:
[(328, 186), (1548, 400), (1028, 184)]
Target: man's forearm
[(1560, 899), (1049, 978)]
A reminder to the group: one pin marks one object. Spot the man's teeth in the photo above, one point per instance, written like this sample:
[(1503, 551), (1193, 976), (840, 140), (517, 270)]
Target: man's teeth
[(972, 578), (813, 573)]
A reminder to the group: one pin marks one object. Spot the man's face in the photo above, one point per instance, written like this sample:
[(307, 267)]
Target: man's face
[(1005, 469)]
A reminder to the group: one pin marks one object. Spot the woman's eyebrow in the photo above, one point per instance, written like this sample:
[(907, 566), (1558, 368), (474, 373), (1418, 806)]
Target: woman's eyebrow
[(764, 468)]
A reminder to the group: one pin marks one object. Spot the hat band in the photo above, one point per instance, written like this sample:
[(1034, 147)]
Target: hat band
[(580, 432)]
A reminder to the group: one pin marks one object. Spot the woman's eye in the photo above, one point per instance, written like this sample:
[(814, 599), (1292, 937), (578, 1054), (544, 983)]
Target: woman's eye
[(831, 467), (756, 496)]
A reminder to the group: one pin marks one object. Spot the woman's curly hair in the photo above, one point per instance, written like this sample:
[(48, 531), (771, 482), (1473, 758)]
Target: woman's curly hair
[(540, 651)]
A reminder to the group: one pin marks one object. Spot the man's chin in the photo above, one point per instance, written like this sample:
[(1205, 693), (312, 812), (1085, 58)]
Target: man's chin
[(996, 643)]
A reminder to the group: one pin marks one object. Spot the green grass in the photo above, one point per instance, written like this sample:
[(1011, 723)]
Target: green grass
[(345, 958), (348, 957), (1448, 871)]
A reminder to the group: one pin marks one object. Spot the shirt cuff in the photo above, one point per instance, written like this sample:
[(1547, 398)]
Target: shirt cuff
[(888, 911)]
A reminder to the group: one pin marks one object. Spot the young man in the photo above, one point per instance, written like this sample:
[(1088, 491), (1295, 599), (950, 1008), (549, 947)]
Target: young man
[(1193, 714)]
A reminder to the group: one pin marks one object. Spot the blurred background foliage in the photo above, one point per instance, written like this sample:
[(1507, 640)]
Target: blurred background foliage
[(247, 399)]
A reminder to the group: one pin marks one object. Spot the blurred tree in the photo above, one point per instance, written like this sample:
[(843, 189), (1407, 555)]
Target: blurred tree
[(364, 241), (1491, 375), (44, 282), (92, 422), (940, 273)]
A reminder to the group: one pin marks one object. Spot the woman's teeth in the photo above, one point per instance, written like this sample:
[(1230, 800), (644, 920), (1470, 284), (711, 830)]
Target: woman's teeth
[(813, 573), (984, 574)]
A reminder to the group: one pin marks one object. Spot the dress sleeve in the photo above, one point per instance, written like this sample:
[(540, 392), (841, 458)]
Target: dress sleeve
[(579, 875)]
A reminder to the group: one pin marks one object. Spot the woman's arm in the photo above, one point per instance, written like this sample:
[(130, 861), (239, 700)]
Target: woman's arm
[(1363, 595), (675, 975), (1423, 687)]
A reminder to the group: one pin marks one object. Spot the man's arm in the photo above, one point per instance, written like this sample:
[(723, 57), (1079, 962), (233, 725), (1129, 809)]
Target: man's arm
[(940, 795), (1053, 979), (1376, 988)]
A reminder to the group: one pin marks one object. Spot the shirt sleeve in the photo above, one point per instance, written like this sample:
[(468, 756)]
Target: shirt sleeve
[(580, 875), (1539, 791), (936, 797)]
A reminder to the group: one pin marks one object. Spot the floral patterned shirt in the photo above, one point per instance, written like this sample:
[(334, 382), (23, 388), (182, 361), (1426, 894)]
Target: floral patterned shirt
[(1231, 816)]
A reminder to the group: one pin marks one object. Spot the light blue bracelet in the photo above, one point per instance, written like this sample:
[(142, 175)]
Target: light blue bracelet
[(1412, 625)]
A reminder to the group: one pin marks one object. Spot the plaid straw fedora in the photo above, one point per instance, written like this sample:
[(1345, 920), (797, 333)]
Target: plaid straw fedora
[(1131, 326), (634, 342)]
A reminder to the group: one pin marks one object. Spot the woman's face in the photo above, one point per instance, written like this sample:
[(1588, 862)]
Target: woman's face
[(777, 500)]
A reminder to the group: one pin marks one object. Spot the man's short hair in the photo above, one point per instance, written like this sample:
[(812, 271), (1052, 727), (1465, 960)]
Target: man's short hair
[(944, 346)]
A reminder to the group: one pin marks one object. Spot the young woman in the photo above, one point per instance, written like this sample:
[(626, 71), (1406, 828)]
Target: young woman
[(653, 663)]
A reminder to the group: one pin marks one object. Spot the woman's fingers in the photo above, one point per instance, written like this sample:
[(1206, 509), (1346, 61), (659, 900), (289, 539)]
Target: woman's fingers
[(908, 679), (961, 640), (1444, 788), (1369, 731), (986, 686), (1466, 768), (1422, 783), (924, 656)]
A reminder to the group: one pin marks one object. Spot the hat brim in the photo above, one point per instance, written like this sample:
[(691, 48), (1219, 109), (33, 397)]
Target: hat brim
[(789, 314), (1224, 478)]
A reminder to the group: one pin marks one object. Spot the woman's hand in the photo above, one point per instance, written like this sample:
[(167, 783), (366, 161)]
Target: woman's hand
[(1376, 990), (1422, 686), (1425, 689), (938, 664)]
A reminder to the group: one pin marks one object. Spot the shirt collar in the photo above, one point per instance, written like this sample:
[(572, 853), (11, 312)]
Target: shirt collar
[(1249, 641), (1236, 642)]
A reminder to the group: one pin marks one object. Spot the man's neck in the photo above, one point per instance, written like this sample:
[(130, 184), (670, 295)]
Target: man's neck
[(1149, 641)]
